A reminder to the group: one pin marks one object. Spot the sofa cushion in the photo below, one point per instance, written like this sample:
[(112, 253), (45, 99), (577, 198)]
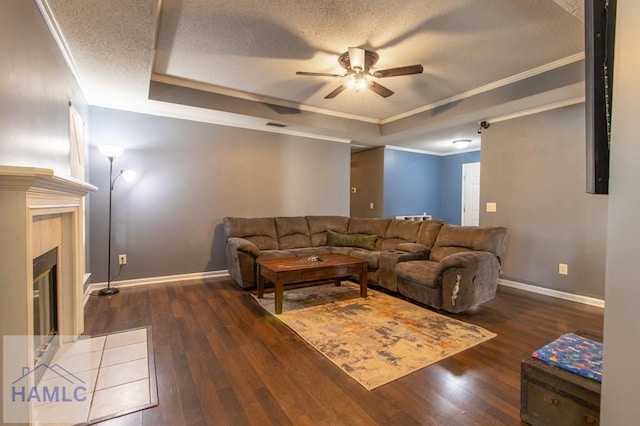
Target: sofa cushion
[(419, 271), (372, 257), (412, 248), (293, 232), (428, 233), (260, 231), (340, 250), (400, 231), (352, 240), (276, 253), (491, 239), (309, 251), (372, 226), (318, 226), (439, 253)]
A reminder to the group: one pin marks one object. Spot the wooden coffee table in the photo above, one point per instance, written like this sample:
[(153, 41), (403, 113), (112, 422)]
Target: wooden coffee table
[(293, 270)]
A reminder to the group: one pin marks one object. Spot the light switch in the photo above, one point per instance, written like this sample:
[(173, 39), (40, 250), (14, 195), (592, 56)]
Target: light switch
[(563, 269), (491, 207), (371, 206)]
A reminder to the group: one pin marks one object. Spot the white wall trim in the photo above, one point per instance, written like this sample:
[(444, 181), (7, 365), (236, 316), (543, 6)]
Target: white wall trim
[(155, 280), (205, 87), (491, 86), (58, 36), (553, 293), (592, 301), (539, 109), (422, 151)]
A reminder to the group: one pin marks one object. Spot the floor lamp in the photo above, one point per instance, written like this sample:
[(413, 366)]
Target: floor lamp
[(111, 152)]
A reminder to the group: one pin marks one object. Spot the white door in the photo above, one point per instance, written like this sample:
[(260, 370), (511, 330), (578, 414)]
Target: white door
[(471, 194)]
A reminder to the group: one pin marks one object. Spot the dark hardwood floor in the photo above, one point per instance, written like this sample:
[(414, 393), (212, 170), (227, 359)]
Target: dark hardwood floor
[(220, 359)]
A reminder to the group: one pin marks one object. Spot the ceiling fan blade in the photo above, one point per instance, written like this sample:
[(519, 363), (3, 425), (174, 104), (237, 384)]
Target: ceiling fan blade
[(335, 92), (393, 72), (380, 89), (318, 74), (356, 58)]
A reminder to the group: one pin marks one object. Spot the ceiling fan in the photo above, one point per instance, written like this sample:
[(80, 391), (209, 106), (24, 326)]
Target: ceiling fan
[(357, 63)]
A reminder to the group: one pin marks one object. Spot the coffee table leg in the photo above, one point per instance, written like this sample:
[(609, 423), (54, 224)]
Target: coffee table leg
[(279, 290), (363, 281), (260, 283)]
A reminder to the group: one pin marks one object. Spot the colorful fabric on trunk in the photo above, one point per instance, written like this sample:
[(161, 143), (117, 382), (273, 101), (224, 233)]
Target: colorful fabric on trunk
[(575, 354)]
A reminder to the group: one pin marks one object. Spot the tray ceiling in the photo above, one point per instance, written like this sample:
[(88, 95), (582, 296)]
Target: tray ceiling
[(223, 61)]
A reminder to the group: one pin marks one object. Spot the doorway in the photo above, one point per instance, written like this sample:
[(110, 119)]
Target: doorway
[(470, 194)]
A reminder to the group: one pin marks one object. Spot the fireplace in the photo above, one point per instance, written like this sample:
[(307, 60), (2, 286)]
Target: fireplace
[(45, 305), (41, 219)]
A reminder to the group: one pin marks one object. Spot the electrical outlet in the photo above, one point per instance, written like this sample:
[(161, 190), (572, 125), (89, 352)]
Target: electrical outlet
[(563, 269), (122, 259)]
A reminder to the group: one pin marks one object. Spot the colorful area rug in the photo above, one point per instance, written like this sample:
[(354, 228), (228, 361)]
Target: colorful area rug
[(377, 339)]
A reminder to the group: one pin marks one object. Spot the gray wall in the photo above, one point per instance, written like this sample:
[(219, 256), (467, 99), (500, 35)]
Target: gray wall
[(191, 175), (367, 175), (412, 183), (534, 169), (35, 89), (621, 375)]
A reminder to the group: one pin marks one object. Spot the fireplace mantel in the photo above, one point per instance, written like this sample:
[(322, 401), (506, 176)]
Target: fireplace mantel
[(40, 210), (41, 180)]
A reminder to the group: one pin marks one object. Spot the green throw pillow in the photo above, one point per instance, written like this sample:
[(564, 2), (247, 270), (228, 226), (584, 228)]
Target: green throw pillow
[(352, 240)]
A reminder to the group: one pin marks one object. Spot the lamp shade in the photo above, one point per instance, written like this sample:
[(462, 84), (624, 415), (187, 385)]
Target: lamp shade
[(111, 151), (128, 175)]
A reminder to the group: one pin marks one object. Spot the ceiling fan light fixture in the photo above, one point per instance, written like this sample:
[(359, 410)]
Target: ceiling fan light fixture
[(356, 58), (461, 143), (358, 64), (358, 81)]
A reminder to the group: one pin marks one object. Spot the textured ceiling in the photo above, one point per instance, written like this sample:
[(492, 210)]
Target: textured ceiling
[(243, 55)]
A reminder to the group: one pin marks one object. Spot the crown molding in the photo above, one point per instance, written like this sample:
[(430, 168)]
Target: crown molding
[(488, 87)]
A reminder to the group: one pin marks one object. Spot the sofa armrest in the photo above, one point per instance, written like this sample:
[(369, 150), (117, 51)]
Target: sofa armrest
[(240, 244), (465, 259), (412, 247), (468, 279), (241, 261)]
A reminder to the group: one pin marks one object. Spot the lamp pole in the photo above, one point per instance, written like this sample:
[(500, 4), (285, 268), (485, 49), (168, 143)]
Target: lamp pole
[(108, 290)]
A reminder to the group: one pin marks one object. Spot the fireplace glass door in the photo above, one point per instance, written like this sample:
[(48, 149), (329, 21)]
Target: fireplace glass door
[(45, 302)]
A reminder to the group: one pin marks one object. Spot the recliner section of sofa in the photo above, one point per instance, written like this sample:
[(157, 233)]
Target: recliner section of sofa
[(461, 272), (414, 258)]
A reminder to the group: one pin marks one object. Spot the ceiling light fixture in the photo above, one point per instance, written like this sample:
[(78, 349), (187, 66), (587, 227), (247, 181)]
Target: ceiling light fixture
[(358, 81), (357, 59), (461, 143)]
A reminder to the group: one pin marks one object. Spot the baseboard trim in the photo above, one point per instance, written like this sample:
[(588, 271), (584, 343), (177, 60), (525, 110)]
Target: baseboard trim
[(224, 273), (553, 293), (155, 280)]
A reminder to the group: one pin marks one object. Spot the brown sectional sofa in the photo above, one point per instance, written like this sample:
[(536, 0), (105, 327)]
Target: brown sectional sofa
[(423, 260)]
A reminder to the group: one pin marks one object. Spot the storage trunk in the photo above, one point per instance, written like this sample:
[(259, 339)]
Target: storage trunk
[(553, 396)]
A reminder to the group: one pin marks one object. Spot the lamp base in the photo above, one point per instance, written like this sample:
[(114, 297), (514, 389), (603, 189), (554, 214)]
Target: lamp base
[(108, 291)]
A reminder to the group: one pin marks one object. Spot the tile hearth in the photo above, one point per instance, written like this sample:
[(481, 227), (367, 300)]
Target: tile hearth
[(115, 370)]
